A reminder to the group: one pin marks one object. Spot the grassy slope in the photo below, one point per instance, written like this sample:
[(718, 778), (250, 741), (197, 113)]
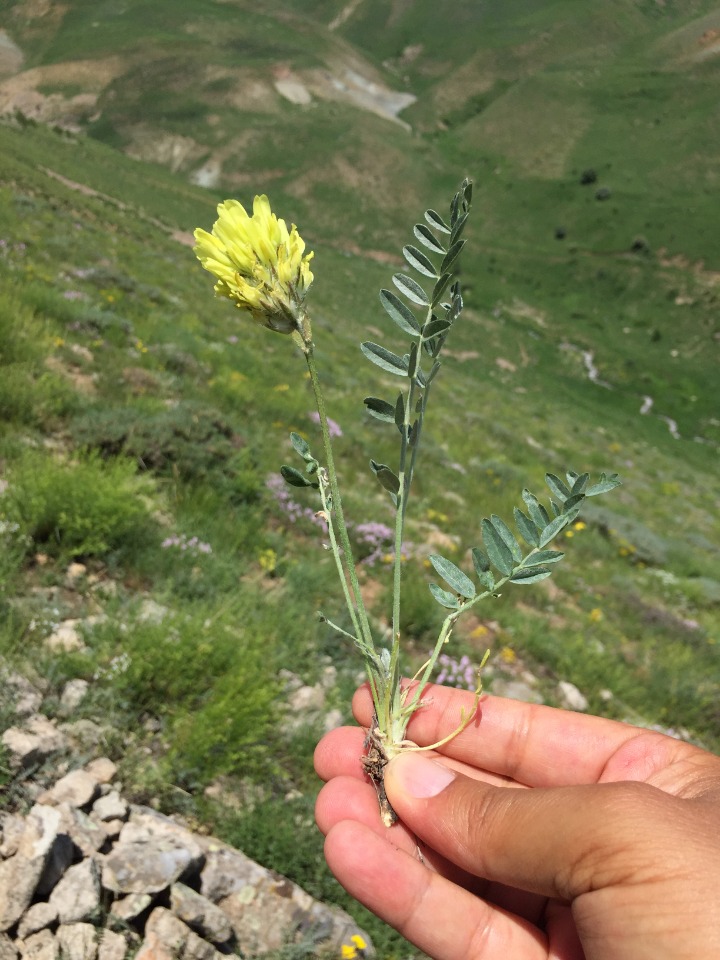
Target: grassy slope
[(148, 338)]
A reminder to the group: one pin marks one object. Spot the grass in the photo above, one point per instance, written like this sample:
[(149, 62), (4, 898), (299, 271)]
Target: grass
[(131, 399)]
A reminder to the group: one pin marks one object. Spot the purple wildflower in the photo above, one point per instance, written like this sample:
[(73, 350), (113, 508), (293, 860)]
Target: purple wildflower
[(333, 427)]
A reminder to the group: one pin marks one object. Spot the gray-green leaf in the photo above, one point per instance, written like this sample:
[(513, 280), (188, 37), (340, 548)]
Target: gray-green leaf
[(604, 485), (300, 446), (399, 312), (444, 597), (453, 576), (537, 511), (497, 551), (417, 259), (384, 358), (530, 576), (553, 529), (482, 568), (507, 537), (411, 289), (543, 556), (528, 530), (440, 287), (380, 409), (427, 238), (452, 255), (294, 477), (557, 487), (435, 220), (387, 479)]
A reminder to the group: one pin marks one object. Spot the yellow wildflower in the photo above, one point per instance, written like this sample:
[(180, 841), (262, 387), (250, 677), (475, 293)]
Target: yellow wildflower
[(508, 655), (357, 950), (579, 525), (259, 265), (268, 560), (595, 615)]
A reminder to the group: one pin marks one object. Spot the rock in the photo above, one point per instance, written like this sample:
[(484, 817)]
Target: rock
[(307, 698), (26, 696), (227, 871), (112, 828), (8, 951), (200, 914), (35, 918), (78, 941), (77, 895), (129, 908), (77, 789), (74, 692), (333, 719), (112, 946), (20, 874), (152, 948), (87, 835), (178, 937), (59, 859), (515, 690), (75, 572), (102, 769), (66, 638), (294, 914), (570, 697), (86, 734), (34, 742), (12, 828), (40, 946), (146, 866), (110, 807)]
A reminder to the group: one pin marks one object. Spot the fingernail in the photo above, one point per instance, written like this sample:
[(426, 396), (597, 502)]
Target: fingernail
[(417, 775)]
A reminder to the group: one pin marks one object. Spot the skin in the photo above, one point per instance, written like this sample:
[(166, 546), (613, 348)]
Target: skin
[(536, 834)]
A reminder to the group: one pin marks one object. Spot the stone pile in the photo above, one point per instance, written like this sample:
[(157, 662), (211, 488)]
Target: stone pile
[(84, 875)]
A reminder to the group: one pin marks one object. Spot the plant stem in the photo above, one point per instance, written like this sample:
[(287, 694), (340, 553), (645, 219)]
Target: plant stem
[(363, 622)]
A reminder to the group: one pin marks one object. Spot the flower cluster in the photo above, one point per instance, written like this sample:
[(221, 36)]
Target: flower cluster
[(292, 510), (380, 539), (457, 673), (259, 264), (354, 950), (192, 545), (333, 427)]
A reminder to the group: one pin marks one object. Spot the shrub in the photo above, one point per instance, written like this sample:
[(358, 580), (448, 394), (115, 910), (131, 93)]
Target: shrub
[(188, 440), (79, 508)]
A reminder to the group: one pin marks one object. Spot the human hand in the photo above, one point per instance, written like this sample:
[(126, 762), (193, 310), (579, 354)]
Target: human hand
[(544, 835)]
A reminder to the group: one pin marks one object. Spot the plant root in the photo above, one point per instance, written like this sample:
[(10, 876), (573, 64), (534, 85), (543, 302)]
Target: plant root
[(374, 762)]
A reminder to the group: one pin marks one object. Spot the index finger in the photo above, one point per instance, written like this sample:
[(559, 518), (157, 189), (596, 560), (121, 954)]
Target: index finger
[(535, 745)]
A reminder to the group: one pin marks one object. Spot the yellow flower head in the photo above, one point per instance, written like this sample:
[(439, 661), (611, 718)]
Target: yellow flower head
[(258, 264)]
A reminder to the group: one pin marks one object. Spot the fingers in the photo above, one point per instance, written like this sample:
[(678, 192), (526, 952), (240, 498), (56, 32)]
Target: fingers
[(557, 842), (442, 919), (534, 745)]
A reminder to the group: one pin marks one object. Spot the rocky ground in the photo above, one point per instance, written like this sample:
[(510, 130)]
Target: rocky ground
[(85, 875)]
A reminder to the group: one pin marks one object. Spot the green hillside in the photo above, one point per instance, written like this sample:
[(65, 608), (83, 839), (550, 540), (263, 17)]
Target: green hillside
[(141, 421)]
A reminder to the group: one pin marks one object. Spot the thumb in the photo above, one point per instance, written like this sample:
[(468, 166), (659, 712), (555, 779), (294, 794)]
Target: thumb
[(559, 842)]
